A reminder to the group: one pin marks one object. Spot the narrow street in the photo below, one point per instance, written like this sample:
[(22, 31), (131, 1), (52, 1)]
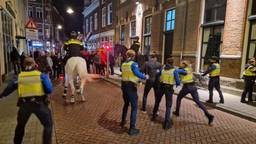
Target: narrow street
[(97, 121)]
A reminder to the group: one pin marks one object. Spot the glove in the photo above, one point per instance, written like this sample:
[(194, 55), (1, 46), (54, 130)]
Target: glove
[(147, 77)]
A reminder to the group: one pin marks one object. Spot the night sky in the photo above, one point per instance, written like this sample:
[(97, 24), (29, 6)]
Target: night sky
[(74, 21)]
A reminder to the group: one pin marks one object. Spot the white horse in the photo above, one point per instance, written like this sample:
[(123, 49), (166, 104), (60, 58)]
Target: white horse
[(76, 66)]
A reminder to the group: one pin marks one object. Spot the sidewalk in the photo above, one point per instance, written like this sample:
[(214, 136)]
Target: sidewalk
[(232, 102)]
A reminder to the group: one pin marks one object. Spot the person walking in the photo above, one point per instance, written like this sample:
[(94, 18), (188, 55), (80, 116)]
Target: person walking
[(152, 68), (249, 75), (33, 87), (186, 75), (168, 78), (214, 82), (15, 58), (130, 78)]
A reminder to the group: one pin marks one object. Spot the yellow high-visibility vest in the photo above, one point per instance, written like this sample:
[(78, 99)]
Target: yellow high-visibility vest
[(127, 73), (188, 78), (30, 84), (249, 71), (215, 72), (167, 76)]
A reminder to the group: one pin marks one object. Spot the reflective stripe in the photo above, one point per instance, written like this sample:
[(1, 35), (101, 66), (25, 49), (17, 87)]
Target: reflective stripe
[(250, 71), (127, 73), (167, 77), (215, 72), (30, 84), (74, 41), (188, 78)]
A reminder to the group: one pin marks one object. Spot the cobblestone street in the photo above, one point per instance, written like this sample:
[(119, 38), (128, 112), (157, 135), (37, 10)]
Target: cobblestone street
[(97, 121)]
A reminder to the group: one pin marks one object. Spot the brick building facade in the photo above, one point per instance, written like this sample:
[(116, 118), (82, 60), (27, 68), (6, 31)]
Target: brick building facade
[(99, 23), (191, 29)]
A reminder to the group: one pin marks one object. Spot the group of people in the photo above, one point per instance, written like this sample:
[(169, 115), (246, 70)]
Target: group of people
[(163, 79)]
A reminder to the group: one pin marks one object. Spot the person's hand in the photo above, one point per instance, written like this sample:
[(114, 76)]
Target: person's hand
[(147, 77)]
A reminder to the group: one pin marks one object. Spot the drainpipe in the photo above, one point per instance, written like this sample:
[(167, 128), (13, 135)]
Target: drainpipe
[(184, 30)]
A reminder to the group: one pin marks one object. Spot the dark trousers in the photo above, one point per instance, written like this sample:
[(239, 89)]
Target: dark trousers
[(97, 66), (130, 97), (149, 84), (42, 112), (214, 82), (166, 90), (112, 69), (190, 89), (248, 88), (16, 67)]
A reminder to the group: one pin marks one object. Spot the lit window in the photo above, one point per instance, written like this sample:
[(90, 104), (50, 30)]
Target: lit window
[(170, 20)]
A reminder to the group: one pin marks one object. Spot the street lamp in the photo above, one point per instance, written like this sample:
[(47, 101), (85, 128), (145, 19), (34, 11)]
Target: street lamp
[(59, 27), (70, 11)]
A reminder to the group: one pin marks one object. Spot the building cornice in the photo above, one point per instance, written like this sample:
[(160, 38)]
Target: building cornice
[(88, 10)]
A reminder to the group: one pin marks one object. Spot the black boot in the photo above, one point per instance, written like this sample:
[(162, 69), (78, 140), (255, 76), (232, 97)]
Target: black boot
[(176, 113), (209, 101), (122, 124), (167, 125), (222, 101), (210, 119), (133, 131)]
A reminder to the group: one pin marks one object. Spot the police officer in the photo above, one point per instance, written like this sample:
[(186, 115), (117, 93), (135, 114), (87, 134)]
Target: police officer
[(214, 82), (152, 67), (249, 80), (186, 75), (168, 78), (73, 48), (130, 78), (33, 87)]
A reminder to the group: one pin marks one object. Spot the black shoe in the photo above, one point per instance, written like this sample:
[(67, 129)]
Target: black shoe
[(176, 113), (153, 118), (210, 119), (243, 101), (133, 131), (222, 101), (167, 125), (209, 101), (122, 124)]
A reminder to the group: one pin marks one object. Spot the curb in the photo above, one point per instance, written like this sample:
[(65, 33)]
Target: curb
[(218, 107)]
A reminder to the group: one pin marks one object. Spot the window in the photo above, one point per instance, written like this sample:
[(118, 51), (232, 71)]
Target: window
[(110, 14), (87, 25), (122, 34), (95, 21), (148, 23), (39, 13), (254, 7), (147, 35), (211, 43), (30, 12), (133, 29), (251, 52), (91, 23), (170, 20), (215, 10), (104, 18)]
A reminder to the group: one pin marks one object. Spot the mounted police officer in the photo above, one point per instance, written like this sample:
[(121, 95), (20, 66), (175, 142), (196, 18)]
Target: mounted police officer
[(186, 75), (130, 78), (168, 78), (249, 75), (33, 87), (73, 48), (214, 82)]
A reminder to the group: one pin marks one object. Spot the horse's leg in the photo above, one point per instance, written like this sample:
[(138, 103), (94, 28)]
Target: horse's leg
[(73, 89), (83, 80), (65, 86)]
